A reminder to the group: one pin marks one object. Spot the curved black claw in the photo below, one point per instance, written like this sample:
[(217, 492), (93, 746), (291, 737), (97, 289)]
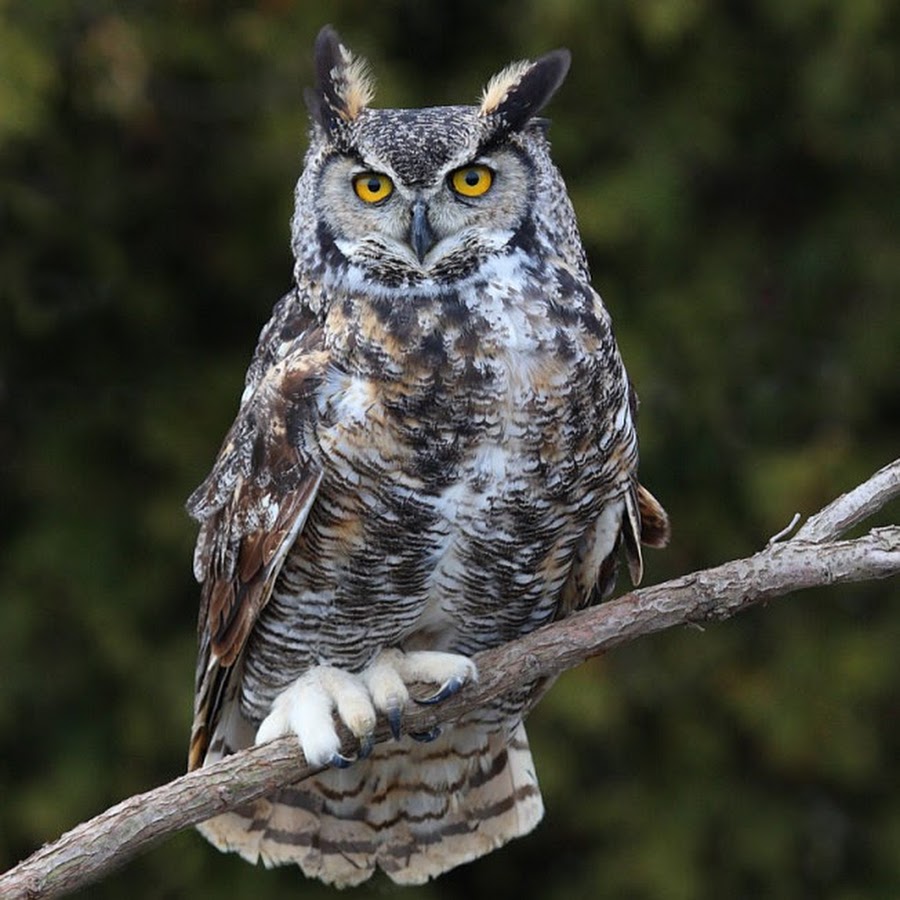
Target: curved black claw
[(424, 737), (447, 689), (393, 716), (366, 742), (339, 761)]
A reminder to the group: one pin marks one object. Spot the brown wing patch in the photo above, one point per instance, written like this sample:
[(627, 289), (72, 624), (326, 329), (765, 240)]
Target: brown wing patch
[(655, 529), (235, 603), (252, 507)]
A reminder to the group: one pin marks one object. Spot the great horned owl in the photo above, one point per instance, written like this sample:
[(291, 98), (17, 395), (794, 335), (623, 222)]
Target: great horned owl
[(435, 453)]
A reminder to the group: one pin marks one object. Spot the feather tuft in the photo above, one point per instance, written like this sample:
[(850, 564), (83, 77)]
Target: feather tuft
[(354, 85), (500, 85)]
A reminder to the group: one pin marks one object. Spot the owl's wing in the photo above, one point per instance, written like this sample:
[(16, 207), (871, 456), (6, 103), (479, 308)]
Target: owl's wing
[(251, 508), (645, 521), (631, 519), (638, 519), (647, 524)]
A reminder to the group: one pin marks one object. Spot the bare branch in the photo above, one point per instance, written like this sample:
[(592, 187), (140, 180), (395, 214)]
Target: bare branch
[(781, 535), (853, 507), (812, 558)]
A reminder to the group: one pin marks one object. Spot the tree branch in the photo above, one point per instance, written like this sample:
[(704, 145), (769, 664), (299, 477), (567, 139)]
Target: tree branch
[(813, 557), (853, 507)]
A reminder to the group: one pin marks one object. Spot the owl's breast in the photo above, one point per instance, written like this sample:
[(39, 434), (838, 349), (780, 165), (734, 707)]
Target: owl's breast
[(528, 363), (469, 440)]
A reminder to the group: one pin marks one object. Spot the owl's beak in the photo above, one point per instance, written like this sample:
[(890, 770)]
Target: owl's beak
[(421, 237)]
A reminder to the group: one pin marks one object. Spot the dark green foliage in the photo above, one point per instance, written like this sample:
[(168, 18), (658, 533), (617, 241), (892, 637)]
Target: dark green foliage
[(735, 170)]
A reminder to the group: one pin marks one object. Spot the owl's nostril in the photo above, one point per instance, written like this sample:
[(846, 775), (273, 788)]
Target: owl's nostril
[(421, 237)]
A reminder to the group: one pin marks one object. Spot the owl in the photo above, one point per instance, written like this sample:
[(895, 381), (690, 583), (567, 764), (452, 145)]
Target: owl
[(434, 453)]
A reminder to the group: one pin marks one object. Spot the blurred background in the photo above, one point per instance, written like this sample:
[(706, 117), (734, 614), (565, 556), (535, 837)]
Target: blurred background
[(735, 169)]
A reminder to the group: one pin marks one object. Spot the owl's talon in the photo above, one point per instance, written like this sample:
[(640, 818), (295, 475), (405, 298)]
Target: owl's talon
[(366, 743), (447, 689), (425, 737), (339, 761), (394, 717)]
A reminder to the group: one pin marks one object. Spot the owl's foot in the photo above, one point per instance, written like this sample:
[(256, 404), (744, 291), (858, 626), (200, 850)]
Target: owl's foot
[(305, 708), (392, 670)]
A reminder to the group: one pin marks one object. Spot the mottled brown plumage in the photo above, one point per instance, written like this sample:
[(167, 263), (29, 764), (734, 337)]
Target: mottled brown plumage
[(434, 453)]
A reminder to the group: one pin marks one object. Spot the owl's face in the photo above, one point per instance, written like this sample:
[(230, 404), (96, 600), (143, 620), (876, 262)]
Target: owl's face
[(418, 191), (411, 197)]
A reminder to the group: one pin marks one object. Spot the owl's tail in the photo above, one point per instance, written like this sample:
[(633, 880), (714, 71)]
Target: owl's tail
[(414, 810)]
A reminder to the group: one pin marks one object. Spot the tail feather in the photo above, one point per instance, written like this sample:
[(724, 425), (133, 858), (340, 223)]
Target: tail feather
[(413, 810)]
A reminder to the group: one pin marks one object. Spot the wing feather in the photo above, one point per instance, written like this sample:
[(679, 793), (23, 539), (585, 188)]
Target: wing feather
[(251, 507), (637, 518)]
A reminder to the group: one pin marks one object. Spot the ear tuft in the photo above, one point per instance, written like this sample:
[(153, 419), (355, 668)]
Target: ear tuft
[(499, 86), (343, 85), (522, 89)]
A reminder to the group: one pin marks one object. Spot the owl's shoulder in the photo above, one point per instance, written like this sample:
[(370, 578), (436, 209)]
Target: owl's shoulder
[(269, 435), (292, 317)]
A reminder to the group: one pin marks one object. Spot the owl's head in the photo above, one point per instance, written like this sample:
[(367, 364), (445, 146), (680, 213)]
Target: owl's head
[(404, 197)]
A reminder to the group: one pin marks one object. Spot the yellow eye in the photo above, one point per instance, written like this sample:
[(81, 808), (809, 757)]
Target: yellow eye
[(472, 181), (373, 187)]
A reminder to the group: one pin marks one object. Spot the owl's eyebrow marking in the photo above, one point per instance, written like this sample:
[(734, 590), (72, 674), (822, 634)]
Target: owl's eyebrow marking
[(501, 138), (360, 162), (489, 144)]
